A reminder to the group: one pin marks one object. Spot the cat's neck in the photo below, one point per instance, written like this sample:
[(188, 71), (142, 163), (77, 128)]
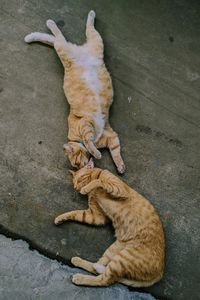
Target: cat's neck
[(96, 173)]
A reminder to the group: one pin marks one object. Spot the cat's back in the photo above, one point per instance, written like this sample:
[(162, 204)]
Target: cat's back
[(133, 217), (141, 217)]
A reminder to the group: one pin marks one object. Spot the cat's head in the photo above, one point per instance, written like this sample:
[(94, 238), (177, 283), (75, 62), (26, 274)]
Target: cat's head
[(83, 176), (77, 154)]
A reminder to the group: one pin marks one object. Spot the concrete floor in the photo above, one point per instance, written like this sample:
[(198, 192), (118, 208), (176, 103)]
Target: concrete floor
[(152, 51)]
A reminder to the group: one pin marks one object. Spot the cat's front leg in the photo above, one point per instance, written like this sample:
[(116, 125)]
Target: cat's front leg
[(44, 38), (88, 216), (87, 133), (91, 186)]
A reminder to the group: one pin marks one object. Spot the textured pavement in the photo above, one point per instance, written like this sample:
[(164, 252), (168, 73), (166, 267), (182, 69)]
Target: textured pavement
[(152, 51)]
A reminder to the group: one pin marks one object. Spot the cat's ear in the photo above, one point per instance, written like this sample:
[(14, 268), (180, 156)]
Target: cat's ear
[(90, 164), (67, 148), (72, 172)]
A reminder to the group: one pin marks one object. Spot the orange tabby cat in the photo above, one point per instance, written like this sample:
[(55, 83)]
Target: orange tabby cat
[(136, 258), (88, 88)]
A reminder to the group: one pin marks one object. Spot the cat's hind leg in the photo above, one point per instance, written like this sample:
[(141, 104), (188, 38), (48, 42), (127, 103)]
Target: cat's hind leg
[(110, 275), (94, 268), (100, 265), (84, 264), (109, 266), (113, 250), (45, 38), (128, 266)]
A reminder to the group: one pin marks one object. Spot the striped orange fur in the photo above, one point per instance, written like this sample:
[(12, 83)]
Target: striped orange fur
[(136, 258), (89, 91)]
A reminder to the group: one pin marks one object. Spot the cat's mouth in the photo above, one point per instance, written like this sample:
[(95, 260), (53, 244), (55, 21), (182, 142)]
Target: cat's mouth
[(90, 164)]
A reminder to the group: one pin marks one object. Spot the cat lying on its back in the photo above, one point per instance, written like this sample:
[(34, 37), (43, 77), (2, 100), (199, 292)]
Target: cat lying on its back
[(136, 258), (88, 88)]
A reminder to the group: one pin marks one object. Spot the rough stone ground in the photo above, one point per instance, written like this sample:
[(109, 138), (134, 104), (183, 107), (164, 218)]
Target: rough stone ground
[(152, 51), (28, 275)]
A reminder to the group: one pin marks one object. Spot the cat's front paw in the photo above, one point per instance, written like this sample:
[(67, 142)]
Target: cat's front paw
[(121, 168), (84, 191), (58, 220), (98, 155), (29, 38)]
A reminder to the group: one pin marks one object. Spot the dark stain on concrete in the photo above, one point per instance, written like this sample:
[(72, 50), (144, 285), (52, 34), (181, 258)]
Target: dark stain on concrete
[(60, 23), (158, 134), (189, 166), (175, 142), (144, 129), (171, 39), (40, 142)]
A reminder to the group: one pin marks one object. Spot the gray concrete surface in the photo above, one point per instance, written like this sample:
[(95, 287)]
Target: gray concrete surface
[(152, 51), (28, 275)]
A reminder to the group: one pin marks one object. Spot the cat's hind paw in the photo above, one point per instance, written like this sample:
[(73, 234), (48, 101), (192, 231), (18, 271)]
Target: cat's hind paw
[(76, 261), (78, 279), (58, 220), (99, 268)]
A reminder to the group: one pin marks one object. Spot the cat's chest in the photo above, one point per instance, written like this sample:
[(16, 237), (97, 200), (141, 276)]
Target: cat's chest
[(90, 66), (109, 206), (90, 76)]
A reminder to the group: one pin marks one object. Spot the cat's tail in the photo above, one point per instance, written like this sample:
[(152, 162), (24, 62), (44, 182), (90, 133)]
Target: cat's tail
[(139, 284)]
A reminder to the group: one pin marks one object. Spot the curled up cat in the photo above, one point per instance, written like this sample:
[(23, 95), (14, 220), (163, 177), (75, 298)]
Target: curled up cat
[(136, 258), (89, 91)]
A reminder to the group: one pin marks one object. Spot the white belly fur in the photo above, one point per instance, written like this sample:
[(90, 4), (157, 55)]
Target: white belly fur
[(91, 64), (99, 125)]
